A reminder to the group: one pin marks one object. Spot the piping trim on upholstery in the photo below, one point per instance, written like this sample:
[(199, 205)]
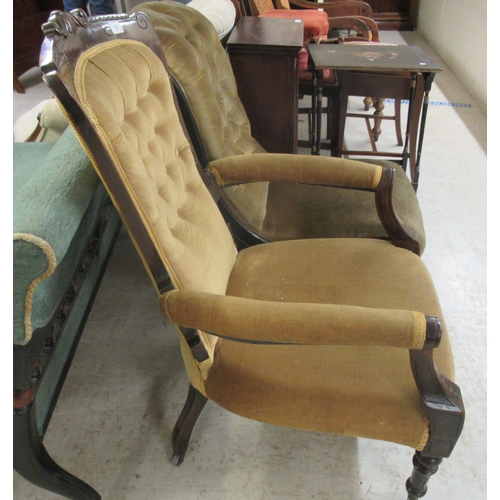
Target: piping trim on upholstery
[(425, 436), (51, 257), (377, 177), (421, 329)]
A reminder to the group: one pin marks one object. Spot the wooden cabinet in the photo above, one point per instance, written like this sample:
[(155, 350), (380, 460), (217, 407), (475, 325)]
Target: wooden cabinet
[(264, 56), (29, 15), (394, 14)]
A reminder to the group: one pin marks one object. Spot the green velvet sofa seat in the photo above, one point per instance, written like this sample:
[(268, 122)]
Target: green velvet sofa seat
[(64, 230)]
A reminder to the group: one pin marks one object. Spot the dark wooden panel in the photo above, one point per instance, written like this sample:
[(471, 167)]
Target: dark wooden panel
[(270, 97), (28, 17), (264, 57)]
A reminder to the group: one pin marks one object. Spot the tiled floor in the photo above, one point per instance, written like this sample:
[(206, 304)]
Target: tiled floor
[(127, 385)]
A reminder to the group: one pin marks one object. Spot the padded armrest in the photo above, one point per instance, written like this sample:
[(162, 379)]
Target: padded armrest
[(292, 323), (51, 197), (52, 118), (304, 169)]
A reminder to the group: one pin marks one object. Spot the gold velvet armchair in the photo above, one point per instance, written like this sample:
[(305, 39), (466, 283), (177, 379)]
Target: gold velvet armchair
[(337, 335), (219, 128)]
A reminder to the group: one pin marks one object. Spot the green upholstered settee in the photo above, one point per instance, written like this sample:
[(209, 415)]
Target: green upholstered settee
[(64, 230)]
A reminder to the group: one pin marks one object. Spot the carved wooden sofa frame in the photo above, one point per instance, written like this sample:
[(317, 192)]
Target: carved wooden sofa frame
[(57, 274)]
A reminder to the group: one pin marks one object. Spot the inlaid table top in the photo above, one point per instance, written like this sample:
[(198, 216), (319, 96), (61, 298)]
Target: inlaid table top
[(371, 57)]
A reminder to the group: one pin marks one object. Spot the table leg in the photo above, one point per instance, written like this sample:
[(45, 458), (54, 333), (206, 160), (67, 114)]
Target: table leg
[(339, 118), (317, 110), (377, 122), (313, 110), (428, 79), (406, 149)]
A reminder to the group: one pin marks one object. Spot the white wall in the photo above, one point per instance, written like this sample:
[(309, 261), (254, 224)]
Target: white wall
[(456, 29)]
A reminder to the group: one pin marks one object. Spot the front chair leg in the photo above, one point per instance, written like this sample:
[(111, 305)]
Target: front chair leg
[(184, 426), (423, 469)]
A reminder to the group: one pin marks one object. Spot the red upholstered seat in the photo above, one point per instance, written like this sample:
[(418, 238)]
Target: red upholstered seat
[(315, 21)]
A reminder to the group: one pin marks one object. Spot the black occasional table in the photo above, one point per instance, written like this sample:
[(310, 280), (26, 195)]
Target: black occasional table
[(392, 61)]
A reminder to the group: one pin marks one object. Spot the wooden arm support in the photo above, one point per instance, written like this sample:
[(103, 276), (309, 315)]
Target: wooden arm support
[(442, 398), (350, 23), (331, 7), (363, 25), (400, 234)]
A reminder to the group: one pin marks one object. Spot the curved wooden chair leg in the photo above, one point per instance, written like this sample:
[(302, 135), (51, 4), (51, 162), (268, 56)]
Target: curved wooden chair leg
[(33, 462), (423, 469), (184, 426)]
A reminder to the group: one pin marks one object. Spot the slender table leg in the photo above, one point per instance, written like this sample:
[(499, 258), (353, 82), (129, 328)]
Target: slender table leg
[(314, 111), (406, 149), (339, 118), (377, 122), (319, 110), (428, 79)]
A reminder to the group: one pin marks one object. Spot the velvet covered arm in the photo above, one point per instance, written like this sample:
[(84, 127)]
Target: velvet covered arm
[(258, 321), (322, 171), (275, 167)]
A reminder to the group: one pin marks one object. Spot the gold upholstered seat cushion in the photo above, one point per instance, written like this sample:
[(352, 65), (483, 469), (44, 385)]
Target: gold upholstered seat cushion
[(323, 387)]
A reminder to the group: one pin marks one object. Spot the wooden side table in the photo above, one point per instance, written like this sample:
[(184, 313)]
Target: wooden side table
[(264, 55), (358, 68)]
